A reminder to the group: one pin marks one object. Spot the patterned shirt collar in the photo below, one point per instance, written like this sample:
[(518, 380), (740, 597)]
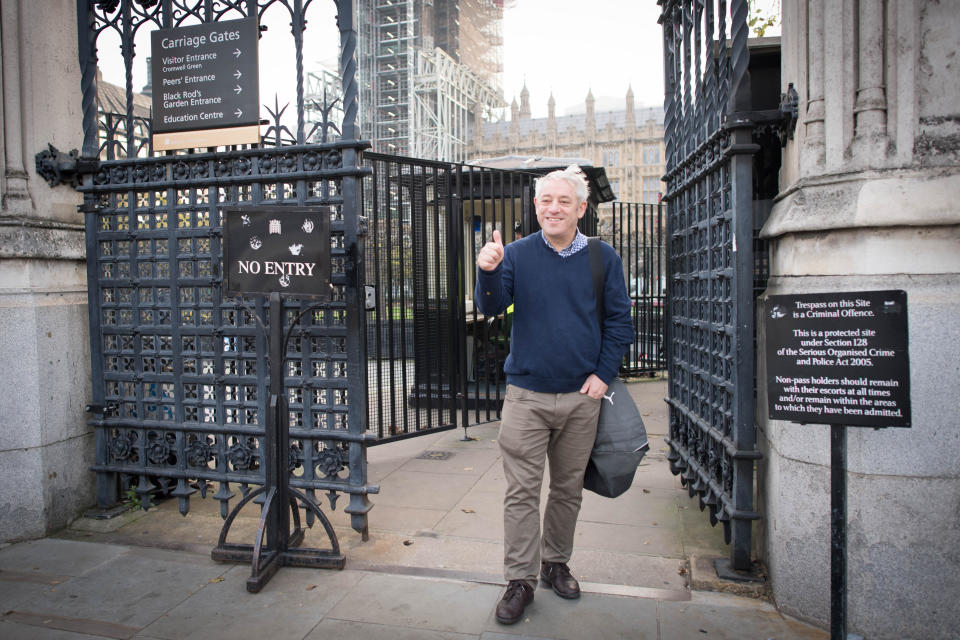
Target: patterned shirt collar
[(579, 242)]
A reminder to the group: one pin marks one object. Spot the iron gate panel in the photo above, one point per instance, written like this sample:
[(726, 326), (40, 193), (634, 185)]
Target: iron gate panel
[(710, 261), (637, 233), (180, 373), (414, 321), (433, 362)]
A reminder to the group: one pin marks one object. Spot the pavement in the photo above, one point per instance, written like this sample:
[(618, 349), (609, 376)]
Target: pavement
[(431, 568)]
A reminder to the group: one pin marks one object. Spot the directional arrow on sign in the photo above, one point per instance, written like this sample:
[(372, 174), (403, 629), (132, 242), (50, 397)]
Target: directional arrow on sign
[(238, 89), (236, 53), (238, 113), (237, 74)]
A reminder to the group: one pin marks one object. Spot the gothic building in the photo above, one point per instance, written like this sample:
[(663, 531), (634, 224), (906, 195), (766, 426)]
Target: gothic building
[(627, 143)]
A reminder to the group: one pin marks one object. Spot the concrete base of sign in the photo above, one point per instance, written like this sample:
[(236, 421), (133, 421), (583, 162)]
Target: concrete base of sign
[(203, 138)]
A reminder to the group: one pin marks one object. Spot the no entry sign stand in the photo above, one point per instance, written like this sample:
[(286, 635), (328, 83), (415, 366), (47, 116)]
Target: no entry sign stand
[(839, 359), (275, 252)]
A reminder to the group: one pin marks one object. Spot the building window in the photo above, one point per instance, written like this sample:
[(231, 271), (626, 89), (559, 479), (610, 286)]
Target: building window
[(611, 157), (651, 189), (651, 155), (615, 187)]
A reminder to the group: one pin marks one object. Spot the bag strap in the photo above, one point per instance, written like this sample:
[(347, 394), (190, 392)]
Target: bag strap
[(596, 269)]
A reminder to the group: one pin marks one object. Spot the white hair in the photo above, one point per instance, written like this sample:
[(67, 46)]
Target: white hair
[(572, 175)]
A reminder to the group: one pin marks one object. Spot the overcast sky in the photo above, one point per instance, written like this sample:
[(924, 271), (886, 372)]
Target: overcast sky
[(570, 47), (566, 47)]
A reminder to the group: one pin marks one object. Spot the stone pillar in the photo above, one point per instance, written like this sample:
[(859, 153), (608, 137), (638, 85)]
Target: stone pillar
[(46, 446), (869, 201), (813, 122)]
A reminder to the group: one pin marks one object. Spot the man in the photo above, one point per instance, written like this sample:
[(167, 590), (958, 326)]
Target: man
[(558, 369)]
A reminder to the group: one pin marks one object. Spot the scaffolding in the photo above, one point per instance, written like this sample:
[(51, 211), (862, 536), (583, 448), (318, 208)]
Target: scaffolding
[(323, 105), (447, 97), (414, 100)]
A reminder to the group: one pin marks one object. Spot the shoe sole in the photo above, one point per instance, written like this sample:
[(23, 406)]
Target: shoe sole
[(565, 596)]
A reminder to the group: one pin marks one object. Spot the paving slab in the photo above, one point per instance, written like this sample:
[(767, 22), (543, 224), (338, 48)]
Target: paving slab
[(16, 595), (388, 517), (602, 536), (478, 515), (131, 590), (351, 630), (422, 490), (654, 474), (436, 605), (428, 550), (57, 557), (608, 567), (598, 617), (723, 617), (635, 508), (492, 635), (698, 535), (38, 631), (289, 606), (474, 461)]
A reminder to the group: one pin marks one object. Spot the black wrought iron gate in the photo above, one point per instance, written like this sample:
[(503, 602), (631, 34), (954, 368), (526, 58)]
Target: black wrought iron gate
[(710, 261), (180, 372)]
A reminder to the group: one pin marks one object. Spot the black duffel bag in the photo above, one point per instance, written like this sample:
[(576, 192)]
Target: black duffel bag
[(620, 445)]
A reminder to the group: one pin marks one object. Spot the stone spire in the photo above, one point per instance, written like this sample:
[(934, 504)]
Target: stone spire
[(525, 102), (631, 117), (552, 125), (514, 126), (591, 120)]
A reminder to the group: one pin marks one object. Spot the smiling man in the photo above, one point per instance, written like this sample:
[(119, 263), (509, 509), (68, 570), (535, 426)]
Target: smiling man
[(559, 366)]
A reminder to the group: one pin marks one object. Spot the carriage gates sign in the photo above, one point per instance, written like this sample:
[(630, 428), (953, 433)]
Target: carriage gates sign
[(839, 358), (277, 249), (204, 77)]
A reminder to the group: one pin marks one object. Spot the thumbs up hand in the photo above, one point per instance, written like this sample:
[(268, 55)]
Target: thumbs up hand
[(491, 255)]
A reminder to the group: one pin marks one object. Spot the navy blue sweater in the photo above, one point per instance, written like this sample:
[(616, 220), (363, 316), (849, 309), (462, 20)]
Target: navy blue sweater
[(555, 342)]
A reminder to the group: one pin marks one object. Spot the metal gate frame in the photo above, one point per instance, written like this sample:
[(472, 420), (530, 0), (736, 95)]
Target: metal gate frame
[(179, 372), (710, 229)]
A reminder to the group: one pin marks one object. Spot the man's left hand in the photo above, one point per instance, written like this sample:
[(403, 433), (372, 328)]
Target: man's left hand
[(594, 387)]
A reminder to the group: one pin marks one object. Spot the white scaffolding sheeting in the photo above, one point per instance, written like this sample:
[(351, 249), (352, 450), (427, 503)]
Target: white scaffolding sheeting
[(446, 96)]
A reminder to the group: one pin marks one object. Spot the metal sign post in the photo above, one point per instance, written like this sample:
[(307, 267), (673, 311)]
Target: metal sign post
[(277, 251), (839, 359)]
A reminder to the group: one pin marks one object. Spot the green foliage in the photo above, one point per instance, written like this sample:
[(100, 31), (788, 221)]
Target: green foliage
[(133, 499), (760, 19)]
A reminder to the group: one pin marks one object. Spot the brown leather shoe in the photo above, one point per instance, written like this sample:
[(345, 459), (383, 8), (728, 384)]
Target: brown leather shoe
[(510, 608), (557, 575)]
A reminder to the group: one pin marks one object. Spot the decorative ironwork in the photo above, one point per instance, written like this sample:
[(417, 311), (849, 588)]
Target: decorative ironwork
[(180, 372), (710, 261)]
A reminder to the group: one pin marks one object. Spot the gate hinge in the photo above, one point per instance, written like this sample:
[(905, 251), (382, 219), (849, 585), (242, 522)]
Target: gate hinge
[(61, 168), (782, 121), (362, 226)]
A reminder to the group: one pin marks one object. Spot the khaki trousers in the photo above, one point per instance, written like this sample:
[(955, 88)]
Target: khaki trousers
[(534, 427)]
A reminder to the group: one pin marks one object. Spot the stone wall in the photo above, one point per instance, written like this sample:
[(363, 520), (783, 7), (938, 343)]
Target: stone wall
[(46, 446), (869, 201)]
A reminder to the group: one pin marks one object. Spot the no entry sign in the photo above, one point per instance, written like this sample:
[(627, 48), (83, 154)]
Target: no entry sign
[(277, 249)]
